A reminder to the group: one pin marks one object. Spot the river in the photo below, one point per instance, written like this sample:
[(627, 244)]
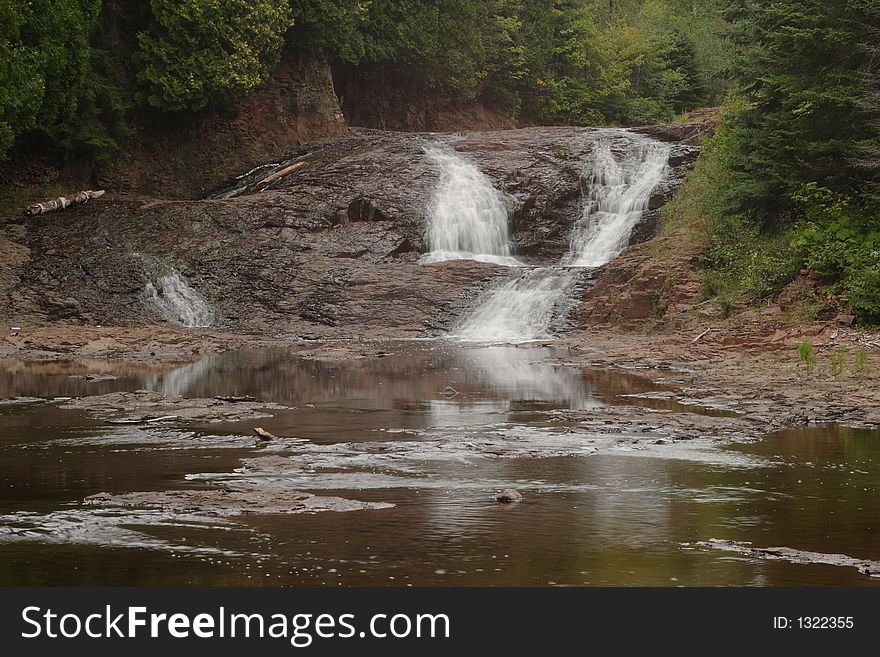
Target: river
[(430, 431)]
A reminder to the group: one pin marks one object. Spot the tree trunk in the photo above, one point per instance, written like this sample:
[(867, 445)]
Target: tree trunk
[(62, 202)]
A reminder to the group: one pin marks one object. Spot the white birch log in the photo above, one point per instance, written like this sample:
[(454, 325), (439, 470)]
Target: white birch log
[(62, 202)]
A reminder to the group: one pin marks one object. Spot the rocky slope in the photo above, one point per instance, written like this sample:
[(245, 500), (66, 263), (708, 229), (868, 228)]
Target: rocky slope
[(329, 249)]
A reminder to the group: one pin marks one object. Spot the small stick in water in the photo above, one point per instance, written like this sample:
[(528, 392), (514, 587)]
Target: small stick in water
[(262, 434)]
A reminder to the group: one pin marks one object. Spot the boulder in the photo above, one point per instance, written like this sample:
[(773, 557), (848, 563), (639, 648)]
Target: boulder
[(508, 496)]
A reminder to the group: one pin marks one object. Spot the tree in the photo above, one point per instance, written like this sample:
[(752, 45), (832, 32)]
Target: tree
[(802, 72), (868, 157), (198, 52), (331, 27), (45, 62)]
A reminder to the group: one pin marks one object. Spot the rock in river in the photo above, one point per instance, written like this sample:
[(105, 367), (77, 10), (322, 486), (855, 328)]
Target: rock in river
[(508, 496)]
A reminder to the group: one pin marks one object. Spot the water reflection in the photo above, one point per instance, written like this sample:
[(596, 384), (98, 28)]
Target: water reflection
[(384, 377), (607, 507), (178, 381)]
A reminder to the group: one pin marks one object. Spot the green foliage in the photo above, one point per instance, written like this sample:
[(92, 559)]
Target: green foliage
[(332, 27), (806, 355), (788, 187), (837, 362), (625, 63), (801, 65), (589, 68), (552, 61), (44, 63), (84, 73), (744, 261), (840, 240), (199, 52), (860, 365)]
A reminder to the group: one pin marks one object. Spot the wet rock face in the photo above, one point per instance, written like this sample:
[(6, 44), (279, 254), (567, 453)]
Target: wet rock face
[(329, 249)]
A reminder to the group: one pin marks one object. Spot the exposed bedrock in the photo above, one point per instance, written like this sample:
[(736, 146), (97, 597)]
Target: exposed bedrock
[(328, 249)]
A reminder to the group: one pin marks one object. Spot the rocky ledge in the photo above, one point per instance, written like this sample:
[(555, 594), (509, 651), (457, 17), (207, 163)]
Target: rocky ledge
[(328, 248)]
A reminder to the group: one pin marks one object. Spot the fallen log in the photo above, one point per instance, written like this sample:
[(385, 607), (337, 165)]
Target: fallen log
[(708, 330), (62, 202), (234, 399), (143, 420), (278, 174)]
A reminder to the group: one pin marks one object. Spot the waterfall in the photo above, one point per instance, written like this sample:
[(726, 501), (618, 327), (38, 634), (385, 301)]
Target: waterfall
[(619, 191), (519, 309), (467, 216), (178, 302), (525, 305)]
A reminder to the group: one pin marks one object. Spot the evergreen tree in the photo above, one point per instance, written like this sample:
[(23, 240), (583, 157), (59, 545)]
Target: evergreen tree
[(46, 56), (802, 71), (198, 52)]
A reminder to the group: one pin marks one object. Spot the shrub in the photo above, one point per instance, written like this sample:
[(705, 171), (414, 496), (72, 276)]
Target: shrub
[(860, 366), (840, 240), (806, 355), (837, 363), (746, 261)]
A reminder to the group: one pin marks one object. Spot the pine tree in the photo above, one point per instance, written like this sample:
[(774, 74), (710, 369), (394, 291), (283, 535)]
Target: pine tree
[(802, 70)]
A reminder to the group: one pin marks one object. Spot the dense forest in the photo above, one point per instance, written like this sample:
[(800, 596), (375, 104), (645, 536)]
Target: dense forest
[(86, 74), (790, 179)]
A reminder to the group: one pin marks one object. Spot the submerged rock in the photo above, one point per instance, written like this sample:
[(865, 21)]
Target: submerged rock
[(863, 566), (224, 502), (144, 407)]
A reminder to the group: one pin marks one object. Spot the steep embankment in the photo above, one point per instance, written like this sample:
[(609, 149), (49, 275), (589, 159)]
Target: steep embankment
[(328, 250)]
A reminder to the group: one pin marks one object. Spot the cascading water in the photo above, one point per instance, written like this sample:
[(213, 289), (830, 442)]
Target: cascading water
[(524, 306), (467, 216), (178, 302), (520, 308), (619, 192)]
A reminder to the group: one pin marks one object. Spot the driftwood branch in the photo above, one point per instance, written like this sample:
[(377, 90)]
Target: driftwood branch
[(697, 339), (62, 202), (280, 173)]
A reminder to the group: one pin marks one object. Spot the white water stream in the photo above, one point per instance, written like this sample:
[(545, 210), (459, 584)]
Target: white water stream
[(619, 191), (177, 302), (467, 216), (525, 306)]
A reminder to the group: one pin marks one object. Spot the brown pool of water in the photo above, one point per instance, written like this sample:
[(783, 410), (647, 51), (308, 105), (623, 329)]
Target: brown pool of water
[(612, 517)]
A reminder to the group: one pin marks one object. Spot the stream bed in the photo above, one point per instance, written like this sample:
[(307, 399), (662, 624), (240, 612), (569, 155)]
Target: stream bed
[(404, 446)]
